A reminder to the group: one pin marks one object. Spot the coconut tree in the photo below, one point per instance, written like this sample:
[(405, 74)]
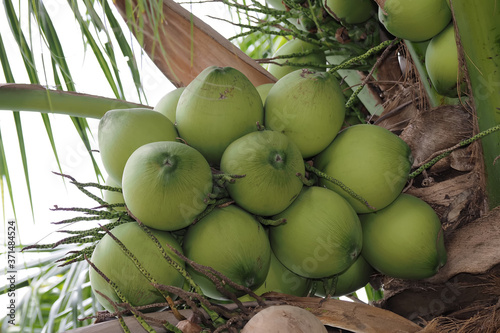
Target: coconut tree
[(120, 34)]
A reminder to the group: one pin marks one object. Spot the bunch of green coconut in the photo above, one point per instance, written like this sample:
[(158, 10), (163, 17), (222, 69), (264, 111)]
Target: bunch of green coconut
[(427, 24), (262, 184)]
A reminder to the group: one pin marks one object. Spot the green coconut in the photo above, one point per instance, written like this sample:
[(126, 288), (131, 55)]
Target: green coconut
[(414, 20), (167, 105), (404, 240), (371, 161), (269, 162), (350, 11), (321, 237), (122, 131), (263, 90), (312, 56), (217, 107), (354, 278), (441, 62), (233, 243), (165, 184), (118, 267), (282, 280), (276, 4), (308, 107)]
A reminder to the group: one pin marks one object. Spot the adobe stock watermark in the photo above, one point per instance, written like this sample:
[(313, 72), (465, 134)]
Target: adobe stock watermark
[(448, 295), (11, 272)]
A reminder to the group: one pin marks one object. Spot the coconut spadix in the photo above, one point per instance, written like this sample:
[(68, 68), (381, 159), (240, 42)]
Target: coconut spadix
[(307, 54)]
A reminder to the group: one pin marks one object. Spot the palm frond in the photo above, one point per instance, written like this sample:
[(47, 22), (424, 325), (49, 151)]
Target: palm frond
[(4, 174), (4, 171), (53, 298)]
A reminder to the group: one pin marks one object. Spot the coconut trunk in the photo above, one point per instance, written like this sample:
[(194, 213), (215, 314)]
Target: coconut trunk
[(479, 32)]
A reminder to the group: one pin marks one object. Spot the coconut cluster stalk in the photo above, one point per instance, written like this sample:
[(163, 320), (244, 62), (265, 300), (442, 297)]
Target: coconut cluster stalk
[(32, 97), (479, 32)]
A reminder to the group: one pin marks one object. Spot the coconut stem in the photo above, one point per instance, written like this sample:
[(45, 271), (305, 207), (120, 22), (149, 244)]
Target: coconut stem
[(330, 286), (214, 203), (273, 223), (124, 326), (222, 178), (352, 61), (305, 181), (386, 46)]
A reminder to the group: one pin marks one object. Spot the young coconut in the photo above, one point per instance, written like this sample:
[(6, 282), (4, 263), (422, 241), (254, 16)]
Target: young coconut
[(350, 11), (118, 267), (404, 240), (165, 184), (355, 277), (308, 107), (232, 242), (441, 62), (217, 107), (276, 4), (371, 161), (284, 318), (263, 90), (167, 105), (321, 237), (122, 131), (312, 55), (270, 162), (282, 280), (414, 20)]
